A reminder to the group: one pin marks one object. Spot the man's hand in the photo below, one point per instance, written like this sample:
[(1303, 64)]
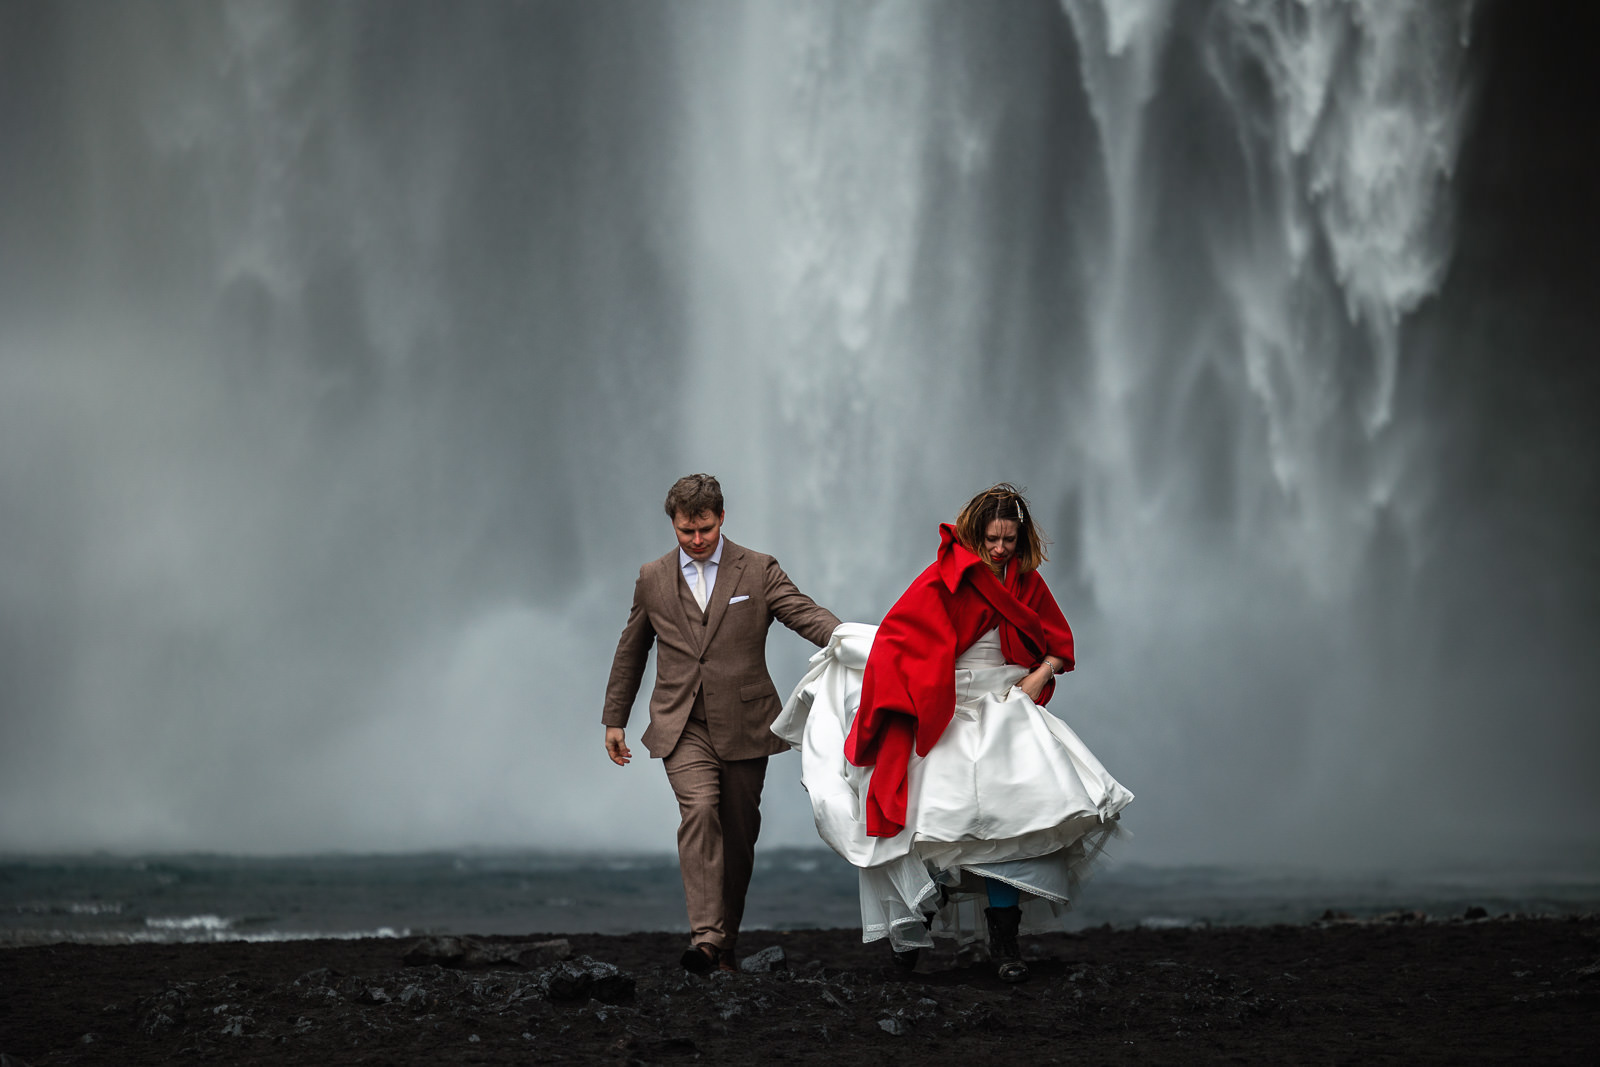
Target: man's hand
[(616, 748)]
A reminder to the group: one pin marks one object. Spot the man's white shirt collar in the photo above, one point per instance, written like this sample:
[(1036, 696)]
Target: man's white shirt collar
[(686, 565)]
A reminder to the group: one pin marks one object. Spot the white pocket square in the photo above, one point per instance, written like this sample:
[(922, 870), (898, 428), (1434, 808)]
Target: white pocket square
[(736, 599)]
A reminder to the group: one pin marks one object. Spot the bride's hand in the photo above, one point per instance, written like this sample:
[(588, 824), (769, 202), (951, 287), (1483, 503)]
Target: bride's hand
[(1034, 683)]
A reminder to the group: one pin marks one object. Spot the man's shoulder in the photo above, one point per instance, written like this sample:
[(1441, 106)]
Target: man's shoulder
[(732, 553), (668, 562)]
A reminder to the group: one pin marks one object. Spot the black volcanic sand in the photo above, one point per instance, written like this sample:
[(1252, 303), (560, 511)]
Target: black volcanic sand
[(1400, 991)]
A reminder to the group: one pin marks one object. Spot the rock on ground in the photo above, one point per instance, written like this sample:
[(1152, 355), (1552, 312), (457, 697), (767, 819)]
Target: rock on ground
[(1336, 991)]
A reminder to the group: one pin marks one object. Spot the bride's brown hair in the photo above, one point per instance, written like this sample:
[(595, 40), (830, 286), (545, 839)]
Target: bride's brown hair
[(1003, 501)]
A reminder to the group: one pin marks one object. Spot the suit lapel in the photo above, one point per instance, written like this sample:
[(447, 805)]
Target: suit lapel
[(728, 572), (668, 581)]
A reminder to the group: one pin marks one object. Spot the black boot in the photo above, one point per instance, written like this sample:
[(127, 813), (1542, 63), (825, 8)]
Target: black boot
[(1003, 950), (907, 958)]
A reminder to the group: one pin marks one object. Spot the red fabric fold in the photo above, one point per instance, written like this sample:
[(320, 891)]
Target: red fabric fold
[(908, 694)]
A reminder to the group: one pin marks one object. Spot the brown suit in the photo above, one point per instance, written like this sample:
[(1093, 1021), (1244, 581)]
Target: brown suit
[(710, 713)]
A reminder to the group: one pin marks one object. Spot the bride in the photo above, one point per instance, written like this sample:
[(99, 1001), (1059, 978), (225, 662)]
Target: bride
[(929, 759)]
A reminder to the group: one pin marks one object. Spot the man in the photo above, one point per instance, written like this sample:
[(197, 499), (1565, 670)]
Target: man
[(709, 603)]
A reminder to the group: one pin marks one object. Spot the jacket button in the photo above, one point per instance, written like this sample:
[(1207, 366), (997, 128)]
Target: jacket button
[(702, 659)]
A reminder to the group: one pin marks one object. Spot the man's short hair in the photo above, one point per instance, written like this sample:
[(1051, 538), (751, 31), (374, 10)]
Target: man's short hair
[(694, 494)]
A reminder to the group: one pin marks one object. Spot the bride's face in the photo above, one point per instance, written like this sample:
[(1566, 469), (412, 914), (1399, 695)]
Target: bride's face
[(1000, 541)]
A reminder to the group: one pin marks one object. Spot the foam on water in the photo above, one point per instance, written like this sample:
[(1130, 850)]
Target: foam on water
[(206, 924), (520, 894)]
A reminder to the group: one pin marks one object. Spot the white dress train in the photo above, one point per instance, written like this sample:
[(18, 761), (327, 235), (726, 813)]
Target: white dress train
[(1008, 792)]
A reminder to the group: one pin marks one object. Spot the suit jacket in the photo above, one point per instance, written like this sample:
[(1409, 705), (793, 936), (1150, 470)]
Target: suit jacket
[(721, 652)]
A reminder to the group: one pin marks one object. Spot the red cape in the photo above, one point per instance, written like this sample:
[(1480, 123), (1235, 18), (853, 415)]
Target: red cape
[(908, 695)]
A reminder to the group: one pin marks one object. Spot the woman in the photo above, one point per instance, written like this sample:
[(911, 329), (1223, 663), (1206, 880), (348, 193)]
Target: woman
[(930, 762)]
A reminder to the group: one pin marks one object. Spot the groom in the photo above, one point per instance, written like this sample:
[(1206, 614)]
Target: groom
[(708, 603)]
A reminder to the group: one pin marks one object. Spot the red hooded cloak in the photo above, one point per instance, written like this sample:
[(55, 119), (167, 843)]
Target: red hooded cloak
[(908, 695)]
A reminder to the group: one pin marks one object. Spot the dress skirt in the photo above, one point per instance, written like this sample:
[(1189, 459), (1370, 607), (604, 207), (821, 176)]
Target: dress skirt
[(1008, 792)]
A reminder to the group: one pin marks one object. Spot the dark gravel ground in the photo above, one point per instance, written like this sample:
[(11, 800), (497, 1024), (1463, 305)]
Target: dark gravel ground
[(1403, 990)]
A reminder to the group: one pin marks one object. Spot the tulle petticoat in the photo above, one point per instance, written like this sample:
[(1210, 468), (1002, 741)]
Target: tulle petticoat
[(1008, 792)]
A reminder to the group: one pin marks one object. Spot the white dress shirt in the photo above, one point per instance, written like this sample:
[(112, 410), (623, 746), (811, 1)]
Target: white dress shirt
[(686, 565)]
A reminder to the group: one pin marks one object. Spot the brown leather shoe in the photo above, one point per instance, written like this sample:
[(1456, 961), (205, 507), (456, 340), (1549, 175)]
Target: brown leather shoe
[(725, 963), (700, 959)]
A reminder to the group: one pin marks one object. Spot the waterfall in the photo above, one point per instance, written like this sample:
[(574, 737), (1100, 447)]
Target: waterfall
[(1345, 119), (346, 352), (1275, 204)]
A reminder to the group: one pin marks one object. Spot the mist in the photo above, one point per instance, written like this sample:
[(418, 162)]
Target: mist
[(347, 353)]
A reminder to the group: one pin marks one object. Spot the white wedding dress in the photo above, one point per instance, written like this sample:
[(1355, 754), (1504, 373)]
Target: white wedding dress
[(1009, 792)]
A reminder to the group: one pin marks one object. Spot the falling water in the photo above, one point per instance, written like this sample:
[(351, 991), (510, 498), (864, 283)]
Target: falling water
[(1274, 206), (347, 351)]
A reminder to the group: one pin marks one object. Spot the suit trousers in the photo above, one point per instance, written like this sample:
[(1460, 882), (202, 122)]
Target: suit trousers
[(719, 806)]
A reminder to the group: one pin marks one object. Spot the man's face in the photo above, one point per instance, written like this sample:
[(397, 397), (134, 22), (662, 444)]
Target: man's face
[(698, 536)]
